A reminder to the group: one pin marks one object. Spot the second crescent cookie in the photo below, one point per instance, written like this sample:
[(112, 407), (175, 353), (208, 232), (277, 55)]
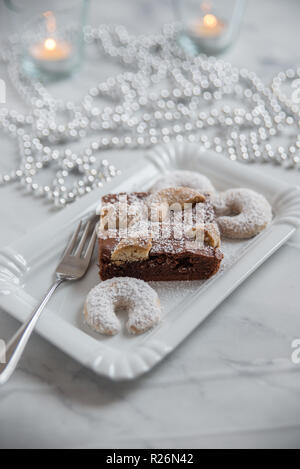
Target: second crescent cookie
[(183, 178)]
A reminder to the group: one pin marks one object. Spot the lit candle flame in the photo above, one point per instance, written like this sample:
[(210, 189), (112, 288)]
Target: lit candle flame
[(52, 48), (210, 21), (50, 44), (209, 26)]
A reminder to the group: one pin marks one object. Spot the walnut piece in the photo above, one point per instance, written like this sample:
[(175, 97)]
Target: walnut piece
[(207, 233), (132, 250)]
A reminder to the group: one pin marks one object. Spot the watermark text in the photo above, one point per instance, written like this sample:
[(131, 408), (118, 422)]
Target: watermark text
[(2, 351), (158, 221), (2, 91), (296, 353)]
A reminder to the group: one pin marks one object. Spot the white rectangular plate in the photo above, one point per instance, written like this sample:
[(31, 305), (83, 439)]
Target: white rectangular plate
[(26, 267)]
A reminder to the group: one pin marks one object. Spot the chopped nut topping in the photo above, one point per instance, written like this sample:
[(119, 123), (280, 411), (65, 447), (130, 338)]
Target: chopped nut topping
[(207, 233), (132, 250)]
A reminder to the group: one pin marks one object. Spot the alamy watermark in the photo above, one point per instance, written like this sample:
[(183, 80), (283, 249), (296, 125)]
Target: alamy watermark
[(2, 91), (2, 351), (296, 354), (158, 221)]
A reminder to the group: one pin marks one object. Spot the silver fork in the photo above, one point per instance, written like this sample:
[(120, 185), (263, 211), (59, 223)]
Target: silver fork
[(73, 266)]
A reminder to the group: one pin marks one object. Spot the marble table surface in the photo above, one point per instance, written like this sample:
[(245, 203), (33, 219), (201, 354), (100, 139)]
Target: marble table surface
[(232, 382)]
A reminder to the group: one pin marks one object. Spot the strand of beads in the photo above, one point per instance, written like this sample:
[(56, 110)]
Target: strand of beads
[(263, 118), (162, 94), (243, 131)]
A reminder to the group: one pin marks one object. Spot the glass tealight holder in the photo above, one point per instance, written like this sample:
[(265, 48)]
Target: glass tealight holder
[(51, 39), (209, 27)]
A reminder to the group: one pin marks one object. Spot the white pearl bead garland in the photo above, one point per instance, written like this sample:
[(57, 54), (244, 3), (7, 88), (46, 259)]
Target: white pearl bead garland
[(163, 94)]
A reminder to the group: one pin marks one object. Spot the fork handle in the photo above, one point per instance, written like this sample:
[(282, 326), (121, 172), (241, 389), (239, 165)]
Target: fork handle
[(17, 344)]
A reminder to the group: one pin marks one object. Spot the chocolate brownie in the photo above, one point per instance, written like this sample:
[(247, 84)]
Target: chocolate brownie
[(161, 250)]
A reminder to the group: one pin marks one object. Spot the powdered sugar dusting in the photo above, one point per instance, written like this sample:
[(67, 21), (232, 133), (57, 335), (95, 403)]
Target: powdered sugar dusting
[(172, 294), (130, 294), (177, 196), (131, 216), (250, 213), (181, 178)]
